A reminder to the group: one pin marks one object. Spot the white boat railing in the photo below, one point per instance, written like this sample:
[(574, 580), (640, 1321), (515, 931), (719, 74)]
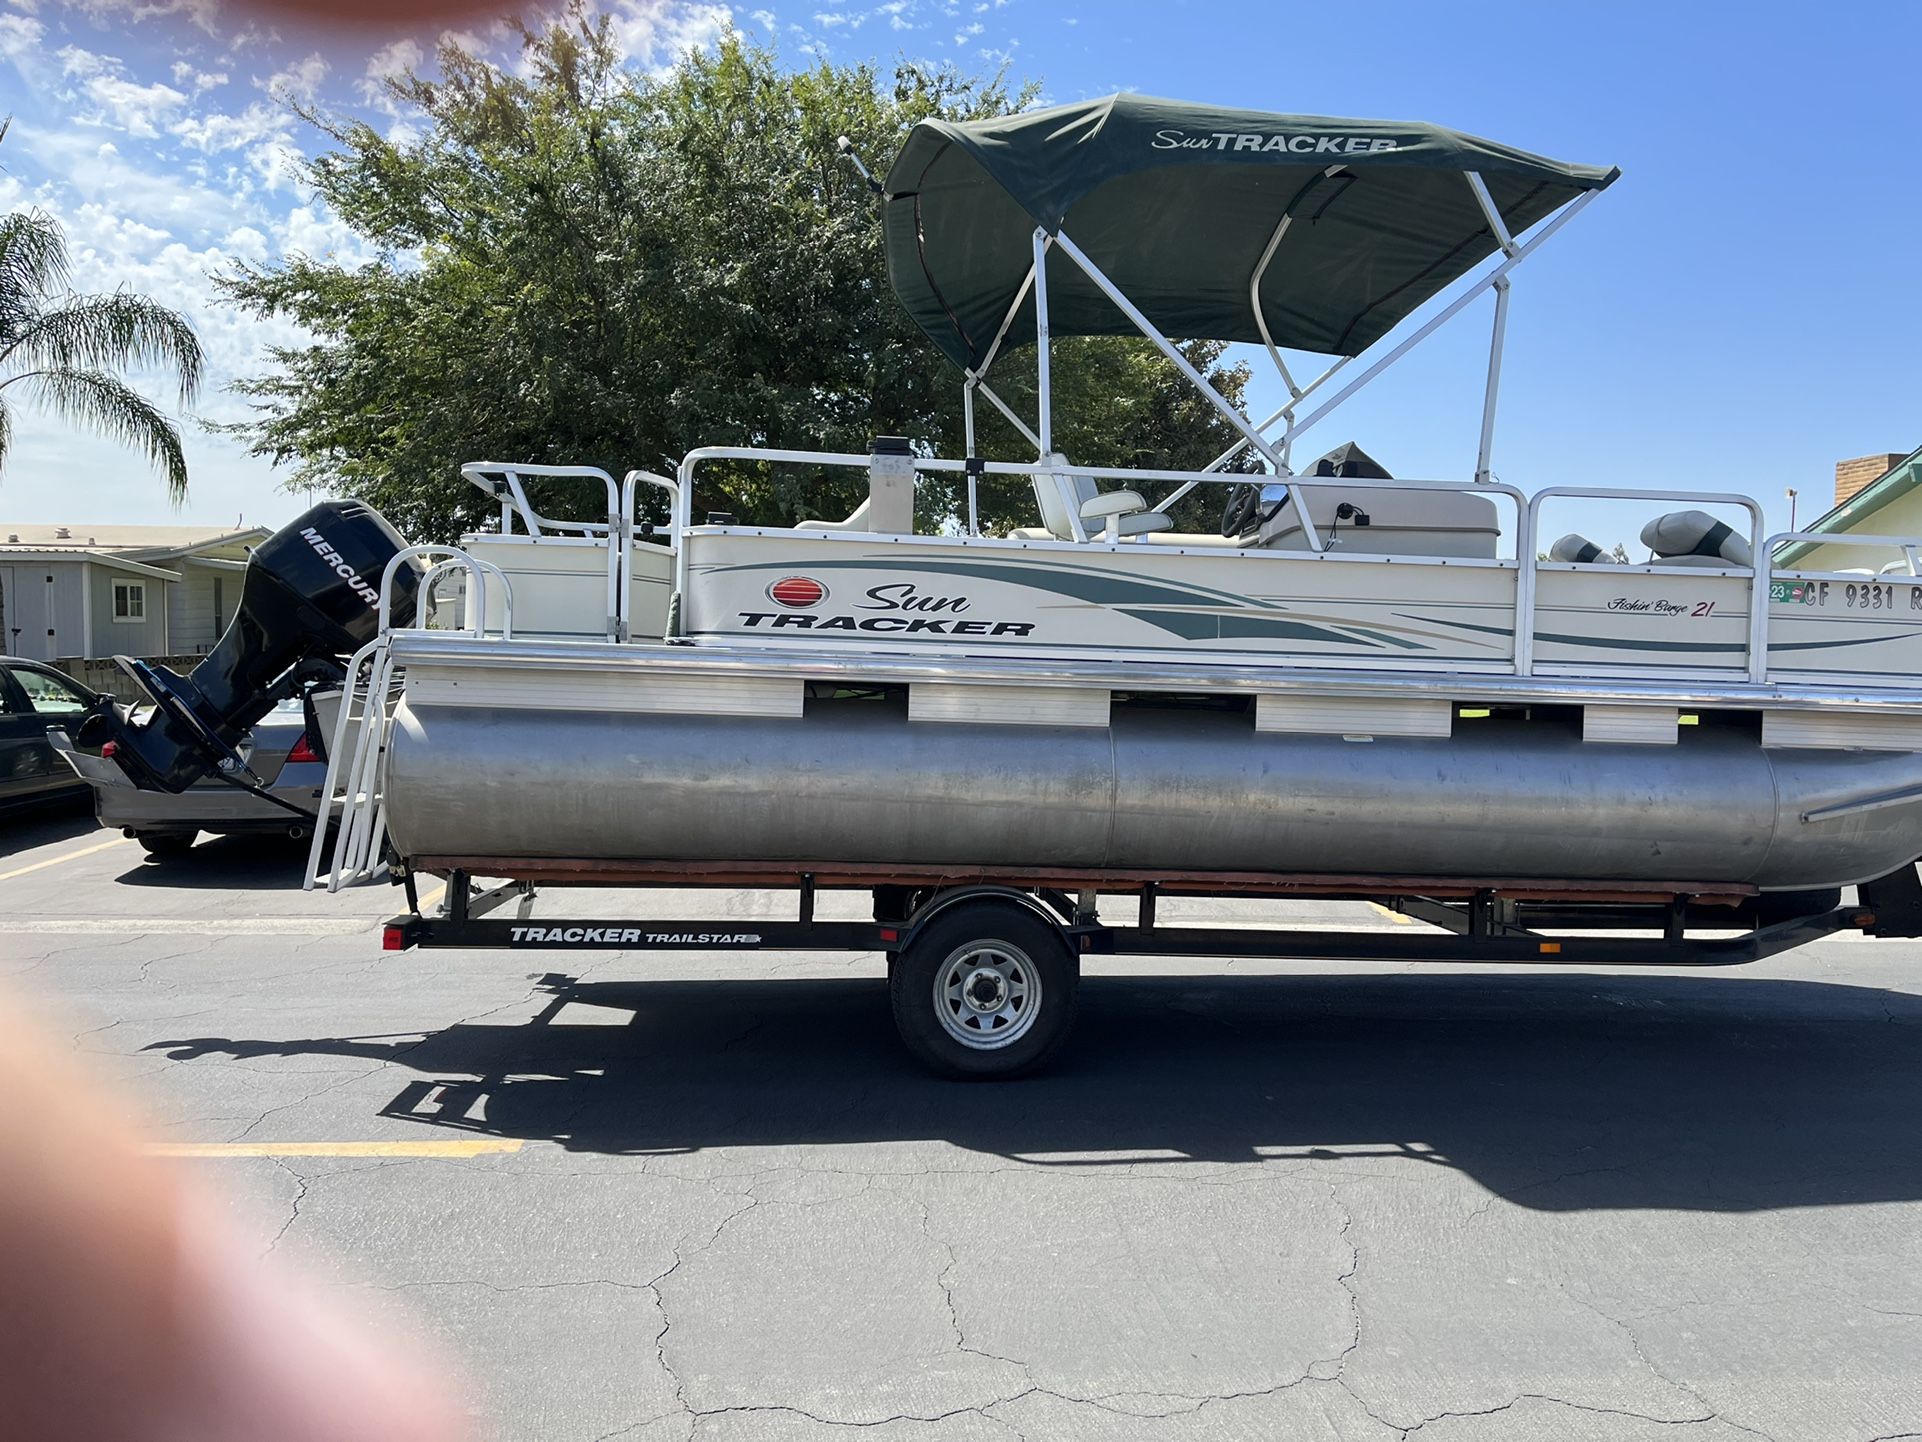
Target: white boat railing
[(1033, 470), (353, 782), (1755, 661), (1906, 546), (504, 481), (676, 524)]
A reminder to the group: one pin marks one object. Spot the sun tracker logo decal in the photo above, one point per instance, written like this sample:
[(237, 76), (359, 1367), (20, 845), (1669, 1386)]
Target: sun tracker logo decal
[(797, 593)]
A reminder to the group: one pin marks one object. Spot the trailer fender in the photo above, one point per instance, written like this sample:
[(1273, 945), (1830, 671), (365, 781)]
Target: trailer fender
[(942, 900)]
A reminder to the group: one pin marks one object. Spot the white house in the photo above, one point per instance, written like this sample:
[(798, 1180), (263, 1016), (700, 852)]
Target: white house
[(1879, 495), (96, 591)]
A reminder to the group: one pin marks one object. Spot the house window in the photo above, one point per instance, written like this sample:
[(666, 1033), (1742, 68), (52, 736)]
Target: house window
[(130, 600)]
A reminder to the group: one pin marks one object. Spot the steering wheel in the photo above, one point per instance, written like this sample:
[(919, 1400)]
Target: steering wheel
[(1242, 512), (1239, 509)]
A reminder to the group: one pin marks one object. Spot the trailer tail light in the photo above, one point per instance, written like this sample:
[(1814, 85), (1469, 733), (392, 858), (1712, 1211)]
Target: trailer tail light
[(303, 751), (393, 938)]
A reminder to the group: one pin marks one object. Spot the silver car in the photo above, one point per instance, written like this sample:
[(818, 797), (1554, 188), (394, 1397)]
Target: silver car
[(278, 750)]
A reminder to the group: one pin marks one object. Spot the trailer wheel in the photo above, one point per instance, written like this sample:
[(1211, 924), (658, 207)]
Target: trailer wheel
[(986, 990)]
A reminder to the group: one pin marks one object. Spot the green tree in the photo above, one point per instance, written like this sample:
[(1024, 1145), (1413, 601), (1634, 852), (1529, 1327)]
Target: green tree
[(586, 264), (62, 352)]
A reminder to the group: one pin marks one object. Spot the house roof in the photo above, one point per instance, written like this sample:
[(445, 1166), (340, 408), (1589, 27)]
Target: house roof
[(68, 552), (1898, 481), (147, 542)]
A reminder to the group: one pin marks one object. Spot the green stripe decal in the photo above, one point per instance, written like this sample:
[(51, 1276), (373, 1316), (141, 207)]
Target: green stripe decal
[(1202, 626), (1097, 587)]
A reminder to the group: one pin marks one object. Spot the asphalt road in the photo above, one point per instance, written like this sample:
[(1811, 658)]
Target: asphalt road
[(680, 1196)]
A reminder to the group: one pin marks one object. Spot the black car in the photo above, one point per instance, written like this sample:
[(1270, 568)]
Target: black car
[(36, 699)]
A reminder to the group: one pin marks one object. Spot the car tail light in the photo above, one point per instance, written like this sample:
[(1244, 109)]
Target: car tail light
[(303, 750)]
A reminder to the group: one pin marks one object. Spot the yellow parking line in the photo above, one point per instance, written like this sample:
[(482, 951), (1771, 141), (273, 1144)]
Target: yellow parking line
[(470, 1147), (432, 895), (57, 860), (1394, 916)]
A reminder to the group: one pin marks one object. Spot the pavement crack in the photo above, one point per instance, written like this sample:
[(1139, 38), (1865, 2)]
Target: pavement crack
[(945, 1281), (293, 1213)]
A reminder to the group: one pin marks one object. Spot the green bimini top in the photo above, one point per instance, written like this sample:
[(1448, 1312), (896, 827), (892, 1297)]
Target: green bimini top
[(1176, 204)]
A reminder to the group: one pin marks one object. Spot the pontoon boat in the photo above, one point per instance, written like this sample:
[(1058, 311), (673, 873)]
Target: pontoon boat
[(1358, 686)]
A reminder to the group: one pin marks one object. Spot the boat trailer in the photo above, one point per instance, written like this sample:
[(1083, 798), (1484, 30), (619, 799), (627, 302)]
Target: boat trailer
[(998, 952)]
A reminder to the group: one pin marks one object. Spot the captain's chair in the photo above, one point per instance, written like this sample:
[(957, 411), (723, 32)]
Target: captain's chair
[(1105, 515)]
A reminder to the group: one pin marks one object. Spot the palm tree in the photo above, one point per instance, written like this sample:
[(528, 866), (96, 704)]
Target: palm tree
[(62, 350)]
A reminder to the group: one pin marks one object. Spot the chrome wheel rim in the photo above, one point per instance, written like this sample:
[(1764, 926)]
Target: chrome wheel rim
[(987, 995)]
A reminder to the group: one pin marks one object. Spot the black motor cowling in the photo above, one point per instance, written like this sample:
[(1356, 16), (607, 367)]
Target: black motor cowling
[(311, 596)]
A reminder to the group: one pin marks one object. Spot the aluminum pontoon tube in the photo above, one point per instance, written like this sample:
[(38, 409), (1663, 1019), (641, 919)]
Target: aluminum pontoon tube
[(855, 781)]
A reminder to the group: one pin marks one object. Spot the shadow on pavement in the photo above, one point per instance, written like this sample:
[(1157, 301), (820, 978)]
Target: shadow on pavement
[(269, 862), (24, 827), (1562, 1092)]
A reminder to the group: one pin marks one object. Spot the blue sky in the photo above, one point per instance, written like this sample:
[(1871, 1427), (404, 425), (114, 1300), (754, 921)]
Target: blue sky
[(1742, 309)]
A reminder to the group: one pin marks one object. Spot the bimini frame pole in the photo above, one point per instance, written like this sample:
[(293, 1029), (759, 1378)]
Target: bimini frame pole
[(1295, 393), (1168, 348), (967, 427), (977, 379), (1499, 229), (1044, 410), (1453, 309)]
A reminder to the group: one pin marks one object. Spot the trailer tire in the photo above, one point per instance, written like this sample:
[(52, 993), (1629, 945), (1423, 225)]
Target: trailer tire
[(985, 991)]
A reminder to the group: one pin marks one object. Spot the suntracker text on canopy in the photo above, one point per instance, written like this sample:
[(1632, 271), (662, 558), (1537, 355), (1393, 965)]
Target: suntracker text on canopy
[(1179, 205)]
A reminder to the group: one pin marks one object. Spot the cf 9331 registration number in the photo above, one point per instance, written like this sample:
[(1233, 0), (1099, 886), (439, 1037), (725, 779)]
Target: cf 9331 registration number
[(1849, 595)]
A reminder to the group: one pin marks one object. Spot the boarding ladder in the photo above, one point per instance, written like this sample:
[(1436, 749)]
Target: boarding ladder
[(351, 796)]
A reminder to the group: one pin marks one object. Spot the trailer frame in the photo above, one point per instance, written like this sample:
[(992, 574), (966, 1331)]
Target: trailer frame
[(1480, 921)]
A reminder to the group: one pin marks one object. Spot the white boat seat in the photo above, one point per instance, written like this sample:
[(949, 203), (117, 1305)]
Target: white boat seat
[(1143, 524), (856, 521), (1581, 551), (1695, 538), (1106, 515)]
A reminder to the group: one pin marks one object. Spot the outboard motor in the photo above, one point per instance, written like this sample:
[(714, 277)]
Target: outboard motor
[(310, 598)]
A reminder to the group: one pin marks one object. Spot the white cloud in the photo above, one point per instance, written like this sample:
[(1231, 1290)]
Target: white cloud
[(316, 232), (20, 36), (32, 7), (247, 243), (201, 81), (107, 13), (93, 171), (76, 63), (656, 35), (140, 110), (299, 81), (211, 132), (391, 62), (968, 32), (464, 40)]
